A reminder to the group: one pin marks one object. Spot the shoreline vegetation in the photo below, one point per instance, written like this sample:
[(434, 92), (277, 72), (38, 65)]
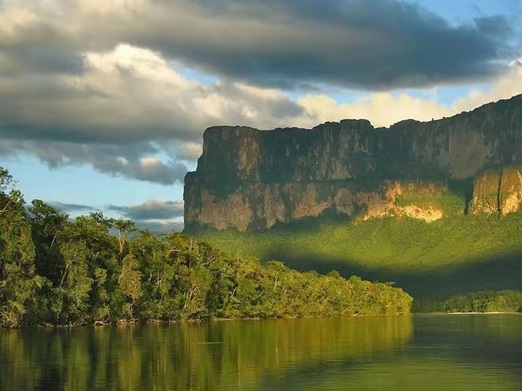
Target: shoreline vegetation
[(57, 272), (94, 269), (483, 302)]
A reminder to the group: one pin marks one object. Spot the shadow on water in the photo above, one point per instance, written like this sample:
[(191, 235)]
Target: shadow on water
[(450, 352)]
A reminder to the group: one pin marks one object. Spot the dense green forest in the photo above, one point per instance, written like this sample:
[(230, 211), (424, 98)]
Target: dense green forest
[(431, 261), (99, 270), (485, 301)]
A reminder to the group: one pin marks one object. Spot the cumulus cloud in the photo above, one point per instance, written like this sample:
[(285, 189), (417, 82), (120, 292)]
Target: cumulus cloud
[(385, 109), (126, 95), (160, 227), (189, 151), (505, 87), (382, 109), (69, 208), (114, 96), (157, 216), (151, 210), (364, 44), (125, 113), (135, 161)]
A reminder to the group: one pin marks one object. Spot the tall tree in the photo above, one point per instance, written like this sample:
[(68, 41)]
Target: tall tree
[(18, 281)]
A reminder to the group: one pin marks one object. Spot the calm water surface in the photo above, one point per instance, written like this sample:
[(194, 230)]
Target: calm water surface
[(429, 352)]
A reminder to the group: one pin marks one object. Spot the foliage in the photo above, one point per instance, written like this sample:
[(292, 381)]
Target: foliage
[(99, 270), (451, 204), (485, 301), (434, 260), (17, 276)]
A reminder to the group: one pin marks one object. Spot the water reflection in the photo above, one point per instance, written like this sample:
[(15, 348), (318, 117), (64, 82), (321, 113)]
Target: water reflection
[(426, 352), (215, 355)]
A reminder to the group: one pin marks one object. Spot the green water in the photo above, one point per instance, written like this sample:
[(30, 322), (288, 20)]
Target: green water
[(427, 352)]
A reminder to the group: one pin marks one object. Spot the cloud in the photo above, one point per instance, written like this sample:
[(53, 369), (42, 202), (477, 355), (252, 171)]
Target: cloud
[(135, 161), (157, 216), (382, 109), (366, 45), (68, 208), (505, 87), (151, 210), (115, 97), (161, 227), (385, 109), (129, 114), (363, 44), (189, 151)]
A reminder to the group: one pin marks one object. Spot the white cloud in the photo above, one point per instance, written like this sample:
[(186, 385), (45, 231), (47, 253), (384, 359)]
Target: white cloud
[(382, 109), (96, 82), (505, 87), (128, 106), (385, 109), (189, 151), (151, 210)]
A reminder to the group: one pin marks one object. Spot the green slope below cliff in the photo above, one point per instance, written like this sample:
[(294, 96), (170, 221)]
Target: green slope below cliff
[(435, 260)]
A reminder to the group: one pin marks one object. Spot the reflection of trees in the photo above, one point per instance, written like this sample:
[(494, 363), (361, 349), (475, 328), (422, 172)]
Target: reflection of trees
[(426, 374), (215, 355), (486, 339)]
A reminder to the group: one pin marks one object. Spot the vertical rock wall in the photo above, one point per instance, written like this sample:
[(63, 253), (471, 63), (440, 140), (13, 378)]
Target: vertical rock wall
[(252, 179)]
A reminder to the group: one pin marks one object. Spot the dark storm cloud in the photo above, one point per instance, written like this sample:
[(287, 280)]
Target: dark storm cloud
[(363, 44), (150, 210)]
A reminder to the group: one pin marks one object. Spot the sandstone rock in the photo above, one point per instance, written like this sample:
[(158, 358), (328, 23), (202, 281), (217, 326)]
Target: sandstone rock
[(250, 179), (497, 191), (261, 206)]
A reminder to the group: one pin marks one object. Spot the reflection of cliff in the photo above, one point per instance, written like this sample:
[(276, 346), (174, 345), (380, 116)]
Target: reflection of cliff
[(217, 355), (444, 355), (251, 179)]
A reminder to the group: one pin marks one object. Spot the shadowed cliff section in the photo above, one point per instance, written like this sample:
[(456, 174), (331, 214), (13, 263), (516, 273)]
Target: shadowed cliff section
[(249, 179)]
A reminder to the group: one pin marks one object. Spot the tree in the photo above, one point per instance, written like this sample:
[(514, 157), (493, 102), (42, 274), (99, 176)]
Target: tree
[(47, 226), (129, 283), (18, 281)]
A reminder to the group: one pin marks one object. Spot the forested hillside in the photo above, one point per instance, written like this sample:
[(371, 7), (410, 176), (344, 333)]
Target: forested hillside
[(431, 261), (94, 269)]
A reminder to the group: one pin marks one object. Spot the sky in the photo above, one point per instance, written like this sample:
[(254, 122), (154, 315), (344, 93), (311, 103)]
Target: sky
[(103, 103)]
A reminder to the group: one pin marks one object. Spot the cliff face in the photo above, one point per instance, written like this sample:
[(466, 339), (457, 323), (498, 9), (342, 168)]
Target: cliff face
[(252, 179), (497, 191)]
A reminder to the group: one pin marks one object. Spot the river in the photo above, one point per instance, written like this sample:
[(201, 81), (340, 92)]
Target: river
[(421, 352)]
